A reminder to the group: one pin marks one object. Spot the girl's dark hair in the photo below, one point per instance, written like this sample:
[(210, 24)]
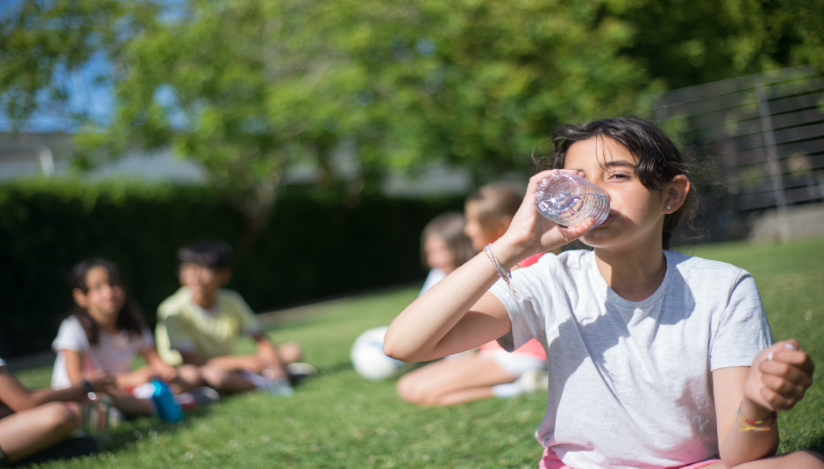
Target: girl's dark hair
[(658, 160), (128, 318), (449, 227)]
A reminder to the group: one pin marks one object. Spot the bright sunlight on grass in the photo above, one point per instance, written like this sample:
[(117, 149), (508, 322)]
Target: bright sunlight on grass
[(339, 420)]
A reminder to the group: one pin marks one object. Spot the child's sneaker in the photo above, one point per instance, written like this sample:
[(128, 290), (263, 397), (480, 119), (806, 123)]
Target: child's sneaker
[(205, 395), (533, 380), (280, 388), (300, 371), (196, 398)]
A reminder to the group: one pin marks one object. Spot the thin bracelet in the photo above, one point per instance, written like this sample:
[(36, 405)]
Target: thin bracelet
[(503, 273), (758, 426)]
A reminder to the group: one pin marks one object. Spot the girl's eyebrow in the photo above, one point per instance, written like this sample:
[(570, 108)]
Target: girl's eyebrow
[(625, 164)]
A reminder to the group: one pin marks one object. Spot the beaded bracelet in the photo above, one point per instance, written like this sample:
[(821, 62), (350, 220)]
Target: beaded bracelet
[(757, 426)]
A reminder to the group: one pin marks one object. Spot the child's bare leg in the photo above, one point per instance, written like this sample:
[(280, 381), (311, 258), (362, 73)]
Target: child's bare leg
[(130, 405), (252, 363), (27, 432), (794, 460), (290, 352), (135, 378), (187, 378), (465, 395), (227, 381), (450, 382)]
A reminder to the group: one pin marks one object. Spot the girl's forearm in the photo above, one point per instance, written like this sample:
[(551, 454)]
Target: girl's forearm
[(19, 398), (743, 446), (268, 350), (153, 359), (419, 332), (73, 393)]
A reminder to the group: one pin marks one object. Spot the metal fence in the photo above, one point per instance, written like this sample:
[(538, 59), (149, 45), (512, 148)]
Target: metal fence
[(761, 135)]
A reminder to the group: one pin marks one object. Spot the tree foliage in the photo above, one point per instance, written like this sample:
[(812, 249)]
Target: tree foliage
[(249, 87)]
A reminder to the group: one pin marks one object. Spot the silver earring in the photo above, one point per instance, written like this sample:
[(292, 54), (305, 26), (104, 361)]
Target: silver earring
[(668, 207)]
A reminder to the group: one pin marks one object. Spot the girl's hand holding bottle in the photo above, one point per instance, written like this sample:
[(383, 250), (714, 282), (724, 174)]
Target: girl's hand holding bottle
[(100, 380), (777, 380), (531, 233)]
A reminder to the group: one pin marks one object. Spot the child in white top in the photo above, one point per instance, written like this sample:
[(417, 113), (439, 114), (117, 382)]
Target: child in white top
[(104, 334), (444, 247), (493, 371), (656, 359)]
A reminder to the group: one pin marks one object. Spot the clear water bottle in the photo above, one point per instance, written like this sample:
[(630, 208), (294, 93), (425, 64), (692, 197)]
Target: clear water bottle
[(568, 199), (99, 418)]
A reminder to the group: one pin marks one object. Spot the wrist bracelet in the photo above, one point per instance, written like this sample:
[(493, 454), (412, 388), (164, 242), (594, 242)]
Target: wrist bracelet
[(87, 385), (757, 426), (503, 273)]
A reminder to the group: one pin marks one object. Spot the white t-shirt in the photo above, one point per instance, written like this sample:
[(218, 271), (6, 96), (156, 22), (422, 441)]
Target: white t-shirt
[(630, 383), (434, 276), (2, 362), (113, 353)]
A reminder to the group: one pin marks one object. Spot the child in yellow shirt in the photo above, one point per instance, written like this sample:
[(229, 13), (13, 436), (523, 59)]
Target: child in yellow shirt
[(198, 325)]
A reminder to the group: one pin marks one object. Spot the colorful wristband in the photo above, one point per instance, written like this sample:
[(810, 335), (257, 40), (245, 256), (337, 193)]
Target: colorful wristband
[(756, 426)]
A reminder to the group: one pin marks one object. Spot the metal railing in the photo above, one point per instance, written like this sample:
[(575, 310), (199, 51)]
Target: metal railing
[(764, 135)]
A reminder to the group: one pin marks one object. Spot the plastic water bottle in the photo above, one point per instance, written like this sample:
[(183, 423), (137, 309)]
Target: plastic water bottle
[(167, 407), (568, 199), (99, 418)]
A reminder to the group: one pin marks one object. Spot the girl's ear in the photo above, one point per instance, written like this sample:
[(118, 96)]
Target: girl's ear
[(79, 298), (225, 275), (676, 193)]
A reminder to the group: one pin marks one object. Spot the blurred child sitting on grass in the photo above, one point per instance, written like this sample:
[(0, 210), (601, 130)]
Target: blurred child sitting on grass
[(104, 333), (470, 376), (198, 325), (32, 421)]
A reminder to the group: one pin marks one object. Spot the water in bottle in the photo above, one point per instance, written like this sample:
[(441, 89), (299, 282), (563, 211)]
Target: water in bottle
[(568, 199)]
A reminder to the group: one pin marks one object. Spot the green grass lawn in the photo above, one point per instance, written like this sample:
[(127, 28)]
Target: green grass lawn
[(342, 421)]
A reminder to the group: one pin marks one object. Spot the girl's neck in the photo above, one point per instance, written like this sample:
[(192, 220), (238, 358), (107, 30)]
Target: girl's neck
[(634, 275), (106, 324)]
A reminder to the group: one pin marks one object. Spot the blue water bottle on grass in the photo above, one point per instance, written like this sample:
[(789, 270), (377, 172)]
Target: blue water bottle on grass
[(167, 407)]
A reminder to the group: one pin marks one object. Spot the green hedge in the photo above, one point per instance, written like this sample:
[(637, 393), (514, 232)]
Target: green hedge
[(315, 246)]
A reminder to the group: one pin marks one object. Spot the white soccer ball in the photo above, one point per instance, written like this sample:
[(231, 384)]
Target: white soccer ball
[(369, 360)]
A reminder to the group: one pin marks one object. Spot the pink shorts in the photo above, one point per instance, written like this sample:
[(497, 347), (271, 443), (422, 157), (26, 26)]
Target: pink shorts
[(551, 461)]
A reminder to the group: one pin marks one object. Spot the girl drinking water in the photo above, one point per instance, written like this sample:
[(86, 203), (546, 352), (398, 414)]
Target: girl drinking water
[(104, 334), (493, 371), (656, 359)]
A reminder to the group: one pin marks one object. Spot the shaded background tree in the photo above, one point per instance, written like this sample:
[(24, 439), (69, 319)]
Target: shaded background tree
[(248, 88)]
